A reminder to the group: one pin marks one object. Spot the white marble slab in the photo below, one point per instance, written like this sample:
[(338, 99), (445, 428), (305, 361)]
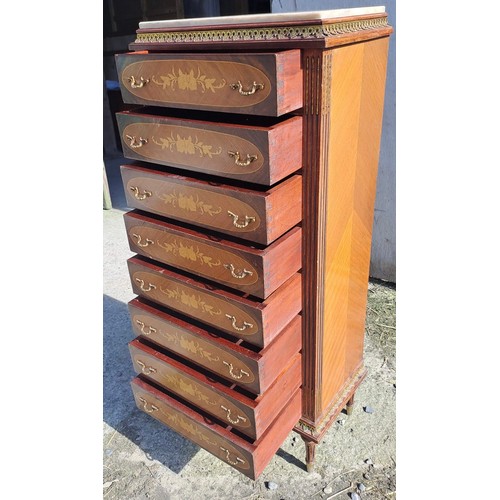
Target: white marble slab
[(261, 18)]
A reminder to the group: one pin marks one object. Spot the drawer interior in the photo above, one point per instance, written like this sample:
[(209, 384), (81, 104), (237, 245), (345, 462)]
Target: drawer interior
[(211, 116), (207, 328), (205, 415), (208, 374)]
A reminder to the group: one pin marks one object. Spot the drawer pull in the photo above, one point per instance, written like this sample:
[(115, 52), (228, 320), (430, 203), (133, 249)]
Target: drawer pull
[(147, 370), (145, 406), (143, 326), (238, 161), (235, 326), (134, 143), (228, 416), (140, 243), (150, 286), (139, 196), (135, 84), (240, 275), (238, 459), (240, 225), (239, 87), (237, 377)]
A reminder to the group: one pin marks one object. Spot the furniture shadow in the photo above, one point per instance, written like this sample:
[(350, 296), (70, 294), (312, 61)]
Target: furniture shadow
[(291, 459), (119, 410)]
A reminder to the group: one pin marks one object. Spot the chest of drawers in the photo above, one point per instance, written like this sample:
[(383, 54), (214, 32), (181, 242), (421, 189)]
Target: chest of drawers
[(255, 147)]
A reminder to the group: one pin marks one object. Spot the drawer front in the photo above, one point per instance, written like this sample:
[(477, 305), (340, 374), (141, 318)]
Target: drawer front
[(235, 211), (186, 253), (252, 320), (220, 313), (210, 354), (188, 387), (164, 409), (234, 83), (253, 271), (262, 155)]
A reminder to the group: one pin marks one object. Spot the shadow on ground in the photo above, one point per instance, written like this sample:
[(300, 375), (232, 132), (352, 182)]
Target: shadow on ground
[(120, 413)]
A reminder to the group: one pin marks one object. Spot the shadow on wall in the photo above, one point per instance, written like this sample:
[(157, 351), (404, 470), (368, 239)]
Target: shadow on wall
[(120, 412)]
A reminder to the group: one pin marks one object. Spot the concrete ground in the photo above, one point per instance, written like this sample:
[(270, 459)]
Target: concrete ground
[(143, 459)]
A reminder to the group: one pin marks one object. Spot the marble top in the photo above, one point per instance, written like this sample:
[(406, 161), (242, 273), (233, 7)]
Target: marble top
[(316, 15)]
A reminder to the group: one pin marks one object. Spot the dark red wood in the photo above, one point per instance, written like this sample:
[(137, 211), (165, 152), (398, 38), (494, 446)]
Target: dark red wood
[(250, 415), (255, 271), (257, 216), (212, 305), (222, 356), (185, 80), (214, 436)]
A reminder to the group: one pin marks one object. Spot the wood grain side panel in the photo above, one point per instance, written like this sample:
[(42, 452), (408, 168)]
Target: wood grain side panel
[(282, 260), (282, 306), (358, 78), (279, 393), (285, 149), (268, 445), (284, 207), (278, 353)]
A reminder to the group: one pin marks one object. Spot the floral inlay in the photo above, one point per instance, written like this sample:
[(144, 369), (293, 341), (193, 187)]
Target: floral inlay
[(187, 426), (190, 300), (189, 253), (188, 81), (188, 388), (188, 146), (189, 203), (191, 346)]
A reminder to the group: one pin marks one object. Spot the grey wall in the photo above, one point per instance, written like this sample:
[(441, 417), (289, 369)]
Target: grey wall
[(383, 256)]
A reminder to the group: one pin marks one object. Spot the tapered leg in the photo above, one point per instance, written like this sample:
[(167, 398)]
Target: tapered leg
[(310, 453), (350, 405)]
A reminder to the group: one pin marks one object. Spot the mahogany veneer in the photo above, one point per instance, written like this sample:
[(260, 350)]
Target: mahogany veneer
[(256, 258), (242, 316)]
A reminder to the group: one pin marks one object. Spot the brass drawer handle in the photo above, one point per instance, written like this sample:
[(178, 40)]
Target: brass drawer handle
[(143, 288), (139, 196), (147, 370), (137, 84), (239, 87), (238, 459), (145, 406), (134, 143), (140, 243), (241, 274), (228, 416), (235, 326), (240, 225), (237, 377), (143, 326), (238, 161)]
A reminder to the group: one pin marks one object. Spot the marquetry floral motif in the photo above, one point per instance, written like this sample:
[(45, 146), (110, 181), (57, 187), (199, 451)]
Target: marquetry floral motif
[(190, 203), (187, 145), (190, 300), (188, 388), (188, 81), (189, 253), (192, 346), (188, 427)]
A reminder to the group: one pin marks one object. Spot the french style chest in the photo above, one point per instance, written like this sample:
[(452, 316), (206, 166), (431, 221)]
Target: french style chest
[(255, 145)]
